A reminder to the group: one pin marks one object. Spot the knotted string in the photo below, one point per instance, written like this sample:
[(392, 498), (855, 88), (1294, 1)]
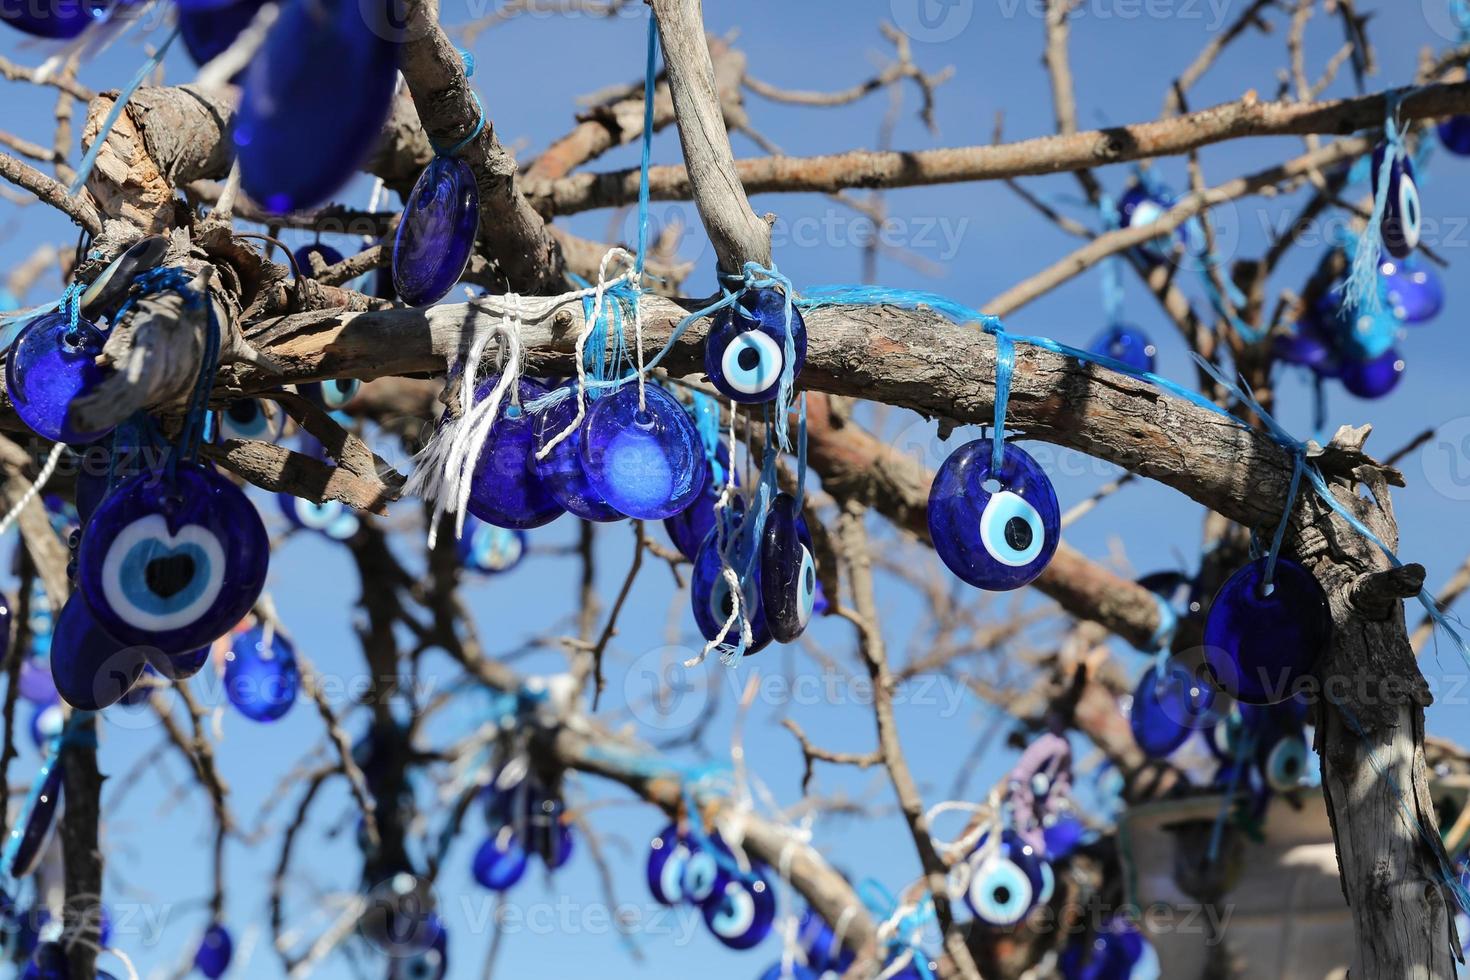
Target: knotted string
[(469, 70), (1362, 291)]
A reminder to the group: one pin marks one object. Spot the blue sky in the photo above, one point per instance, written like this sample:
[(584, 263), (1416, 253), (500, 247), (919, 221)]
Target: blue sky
[(984, 239)]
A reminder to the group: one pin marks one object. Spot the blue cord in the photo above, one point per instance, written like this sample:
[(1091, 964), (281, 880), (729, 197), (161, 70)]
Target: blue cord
[(89, 160)]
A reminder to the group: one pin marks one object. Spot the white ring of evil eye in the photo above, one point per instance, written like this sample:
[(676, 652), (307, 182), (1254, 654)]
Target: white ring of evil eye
[(1003, 507), (671, 877), (767, 370), (1410, 217), (317, 517), (995, 873), (737, 912), (700, 872), (806, 588), (1286, 764), (120, 570), (1048, 883)]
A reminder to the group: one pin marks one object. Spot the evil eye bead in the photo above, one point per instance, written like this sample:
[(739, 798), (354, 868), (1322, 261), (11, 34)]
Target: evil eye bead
[(1412, 288), (1139, 207), (331, 395), (437, 233), (703, 876), (500, 862), (246, 418), (1129, 345), (740, 914), (505, 489), (668, 856), (327, 254), (995, 531), (1167, 708), (90, 668), (788, 578), (645, 461), (105, 295), (1286, 762), (56, 19), (212, 958), (26, 843), (562, 471), (1005, 884), (1259, 644), (262, 680), (745, 353), (173, 561), (323, 79), (1402, 217), (491, 550), (50, 365), (709, 593), (1373, 378), (330, 517)]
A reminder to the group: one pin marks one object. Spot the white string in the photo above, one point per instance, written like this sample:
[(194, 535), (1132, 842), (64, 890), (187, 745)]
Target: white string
[(123, 958), (47, 468), (727, 571)]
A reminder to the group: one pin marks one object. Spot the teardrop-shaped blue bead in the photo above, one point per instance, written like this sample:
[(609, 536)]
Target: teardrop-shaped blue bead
[(562, 471), (29, 841), (262, 681), (500, 862), (437, 232), (646, 462), (315, 99), (215, 949), (48, 366), (90, 668)]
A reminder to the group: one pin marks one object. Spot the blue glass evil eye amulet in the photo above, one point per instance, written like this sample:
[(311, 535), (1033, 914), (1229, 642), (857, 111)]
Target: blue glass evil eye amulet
[(323, 80), (48, 366), (741, 910), (216, 948), (500, 862), (505, 489), (246, 418), (996, 531), (788, 579), (709, 593), (173, 561), (91, 669), (437, 232), (1128, 344), (490, 550), (745, 352), (1167, 708), (1402, 218), (260, 680), (1006, 883), (668, 856), (331, 517), (646, 462), (562, 471), (1258, 645)]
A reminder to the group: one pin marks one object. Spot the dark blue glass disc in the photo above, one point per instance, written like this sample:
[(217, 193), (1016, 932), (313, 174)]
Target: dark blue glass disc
[(314, 101), (1165, 710), (47, 367), (1257, 647), (327, 254), (177, 666), (505, 489), (998, 537), (208, 32), (1454, 133), (215, 949), (90, 668), (709, 594), (500, 862), (29, 841), (437, 233), (788, 574), (746, 348), (688, 528), (57, 19), (562, 471), (1373, 378), (740, 913), (668, 854), (1412, 288), (647, 463), (262, 681), (1128, 344), (173, 561)]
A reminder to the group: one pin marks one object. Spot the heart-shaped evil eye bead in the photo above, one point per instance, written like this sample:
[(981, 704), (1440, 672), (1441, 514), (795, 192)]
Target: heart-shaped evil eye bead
[(668, 857), (91, 670), (212, 958), (740, 914), (330, 517), (1128, 344), (562, 471), (246, 418), (646, 461), (47, 367), (1005, 881), (500, 862), (173, 561), (505, 489), (994, 530), (745, 352), (788, 575), (1402, 216), (709, 594), (261, 679), (1286, 762), (331, 395), (1258, 645), (489, 549)]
